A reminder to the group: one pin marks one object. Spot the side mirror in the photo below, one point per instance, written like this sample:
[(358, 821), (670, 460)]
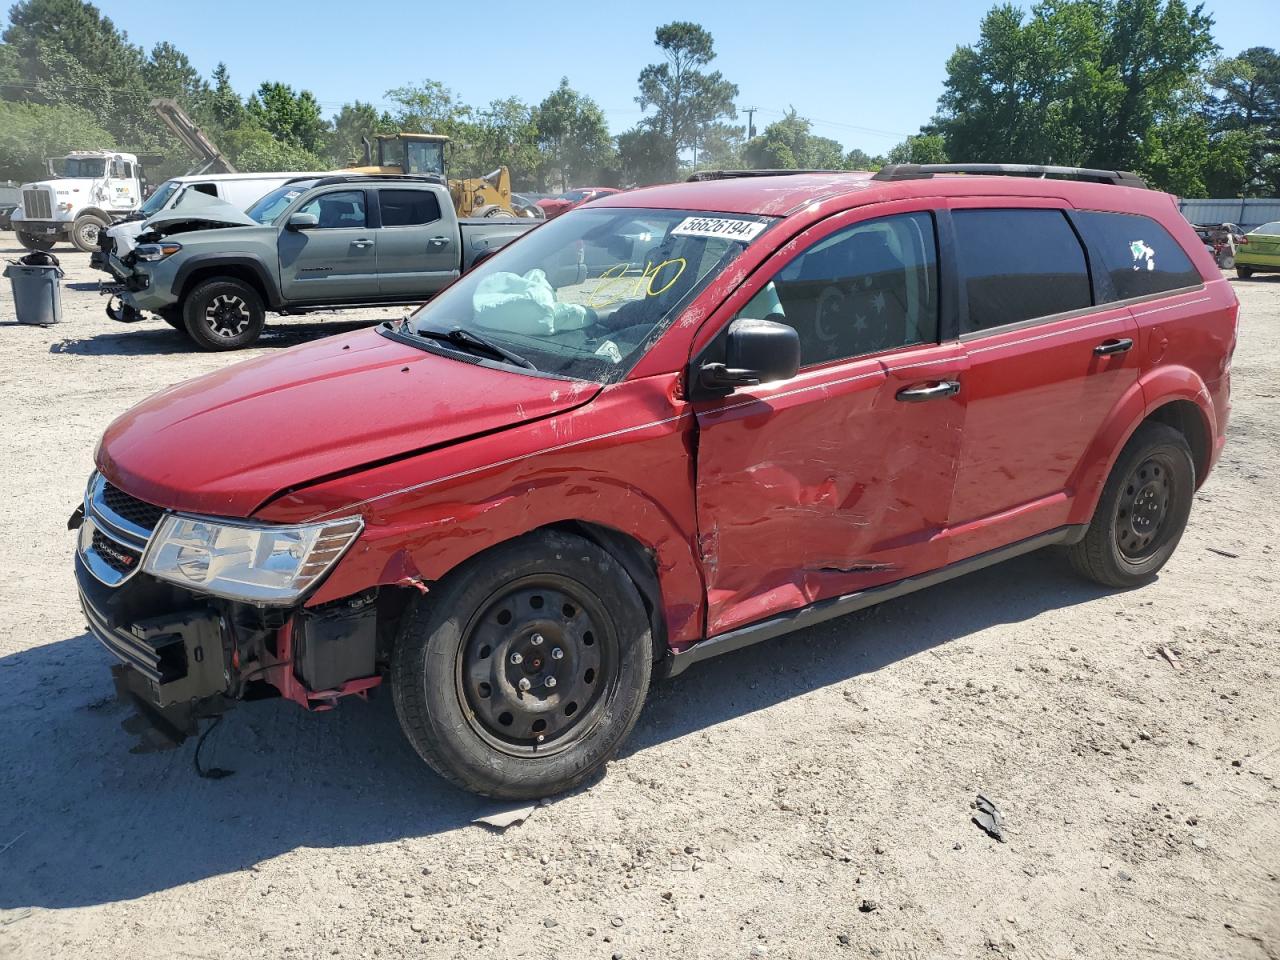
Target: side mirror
[(304, 221), (757, 351)]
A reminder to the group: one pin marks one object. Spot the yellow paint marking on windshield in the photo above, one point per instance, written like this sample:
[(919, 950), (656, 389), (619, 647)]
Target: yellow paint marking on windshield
[(643, 284)]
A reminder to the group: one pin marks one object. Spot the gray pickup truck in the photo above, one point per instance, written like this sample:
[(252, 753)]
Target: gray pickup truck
[(348, 240)]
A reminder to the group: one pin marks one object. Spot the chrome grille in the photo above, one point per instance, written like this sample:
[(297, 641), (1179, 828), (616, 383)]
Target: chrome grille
[(37, 204), (115, 531)]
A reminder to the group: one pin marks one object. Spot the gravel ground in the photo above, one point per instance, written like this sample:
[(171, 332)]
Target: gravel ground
[(809, 797)]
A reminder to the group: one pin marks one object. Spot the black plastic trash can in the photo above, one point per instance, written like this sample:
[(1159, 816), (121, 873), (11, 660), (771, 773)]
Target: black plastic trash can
[(37, 289)]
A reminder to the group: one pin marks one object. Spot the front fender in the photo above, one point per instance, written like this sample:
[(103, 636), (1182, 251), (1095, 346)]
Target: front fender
[(199, 262)]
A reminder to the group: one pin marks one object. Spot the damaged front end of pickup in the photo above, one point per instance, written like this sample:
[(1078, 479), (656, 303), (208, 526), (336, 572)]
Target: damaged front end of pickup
[(201, 614)]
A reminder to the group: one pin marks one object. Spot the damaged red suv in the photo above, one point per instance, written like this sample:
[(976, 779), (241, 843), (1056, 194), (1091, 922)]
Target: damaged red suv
[(661, 427)]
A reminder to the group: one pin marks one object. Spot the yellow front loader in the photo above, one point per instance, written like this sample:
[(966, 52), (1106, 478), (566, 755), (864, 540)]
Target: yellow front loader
[(418, 153)]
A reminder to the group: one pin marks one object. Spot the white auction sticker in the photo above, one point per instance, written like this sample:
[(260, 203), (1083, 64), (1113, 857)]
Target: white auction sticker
[(744, 230)]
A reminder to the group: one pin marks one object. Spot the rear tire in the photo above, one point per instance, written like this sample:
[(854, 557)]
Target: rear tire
[(34, 243), (1143, 510), (223, 314), (1244, 273), (85, 231), (522, 672)]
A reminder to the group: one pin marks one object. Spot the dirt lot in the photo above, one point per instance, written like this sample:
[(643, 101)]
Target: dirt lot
[(809, 797)]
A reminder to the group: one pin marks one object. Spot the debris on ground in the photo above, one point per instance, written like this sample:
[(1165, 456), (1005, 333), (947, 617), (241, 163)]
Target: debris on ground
[(989, 818), (1223, 553), (1171, 657), (501, 819)]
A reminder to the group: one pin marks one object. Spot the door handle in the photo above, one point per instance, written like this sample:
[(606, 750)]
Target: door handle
[(362, 243), (1108, 347), (438, 242), (934, 391)]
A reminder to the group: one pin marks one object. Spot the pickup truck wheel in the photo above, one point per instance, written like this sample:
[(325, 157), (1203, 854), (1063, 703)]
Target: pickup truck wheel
[(521, 673), (84, 232), (223, 314), (34, 243), (1142, 512)]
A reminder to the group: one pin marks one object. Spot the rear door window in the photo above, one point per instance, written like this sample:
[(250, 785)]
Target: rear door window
[(1018, 265), (1138, 256), (407, 208)]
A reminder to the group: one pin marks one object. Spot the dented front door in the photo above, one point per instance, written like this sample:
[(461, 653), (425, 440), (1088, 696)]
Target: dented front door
[(841, 478)]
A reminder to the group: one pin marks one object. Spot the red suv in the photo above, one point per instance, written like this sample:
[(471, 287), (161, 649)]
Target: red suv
[(663, 426)]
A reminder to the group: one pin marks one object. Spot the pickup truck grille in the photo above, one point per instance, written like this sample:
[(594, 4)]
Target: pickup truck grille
[(115, 531), (37, 204)]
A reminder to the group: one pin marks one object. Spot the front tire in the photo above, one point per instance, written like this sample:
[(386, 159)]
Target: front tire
[(223, 314), (521, 674), (85, 231), (30, 242), (1143, 510)]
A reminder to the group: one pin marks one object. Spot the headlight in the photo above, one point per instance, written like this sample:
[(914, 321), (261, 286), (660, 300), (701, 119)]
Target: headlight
[(264, 564), (156, 251)]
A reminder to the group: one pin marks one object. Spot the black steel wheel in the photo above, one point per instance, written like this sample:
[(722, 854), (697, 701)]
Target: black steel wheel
[(223, 314), (521, 673), (1143, 509), (536, 665)]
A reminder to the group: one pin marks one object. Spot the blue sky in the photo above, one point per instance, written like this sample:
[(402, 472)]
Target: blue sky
[(866, 74)]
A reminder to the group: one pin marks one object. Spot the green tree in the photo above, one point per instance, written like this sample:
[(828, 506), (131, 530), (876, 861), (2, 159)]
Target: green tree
[(1081, 82), (225, 105), (645, 156), (789, 144), (31, 132), (253, 148), (921, 148), (573, 137), (857, 159), (684, 97), (67, 53), (169, 73), (506, 134), (293, 118), (352, 123), (1243, 108)]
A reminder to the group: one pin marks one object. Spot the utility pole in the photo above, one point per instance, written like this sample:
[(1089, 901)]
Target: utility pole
[(751, 127)]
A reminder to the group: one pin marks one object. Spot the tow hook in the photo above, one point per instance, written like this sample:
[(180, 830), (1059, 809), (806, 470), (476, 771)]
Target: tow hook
[(124, 313)]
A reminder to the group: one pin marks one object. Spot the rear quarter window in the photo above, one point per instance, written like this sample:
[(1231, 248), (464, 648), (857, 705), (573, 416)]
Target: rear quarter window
[(1139, 257)]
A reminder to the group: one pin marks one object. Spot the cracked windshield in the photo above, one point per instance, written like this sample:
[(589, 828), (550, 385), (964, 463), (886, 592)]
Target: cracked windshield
[(585, 295)]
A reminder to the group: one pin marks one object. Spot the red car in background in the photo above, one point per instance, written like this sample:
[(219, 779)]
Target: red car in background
[(554, 206)]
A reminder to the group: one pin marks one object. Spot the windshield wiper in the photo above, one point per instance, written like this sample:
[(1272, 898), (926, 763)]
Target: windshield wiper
[(460, 337)]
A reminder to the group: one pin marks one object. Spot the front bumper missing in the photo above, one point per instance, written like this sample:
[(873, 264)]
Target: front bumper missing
[(172, 666), (122, 312)]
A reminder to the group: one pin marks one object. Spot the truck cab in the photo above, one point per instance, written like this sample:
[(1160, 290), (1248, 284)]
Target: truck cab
[(88, 190)]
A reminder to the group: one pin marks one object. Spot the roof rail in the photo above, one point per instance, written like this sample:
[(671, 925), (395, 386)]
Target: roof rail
[(360, 177), (922, 171), (702, 175)]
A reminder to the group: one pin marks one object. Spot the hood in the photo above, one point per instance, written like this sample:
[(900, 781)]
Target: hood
[(195, 209), (225, 443)]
